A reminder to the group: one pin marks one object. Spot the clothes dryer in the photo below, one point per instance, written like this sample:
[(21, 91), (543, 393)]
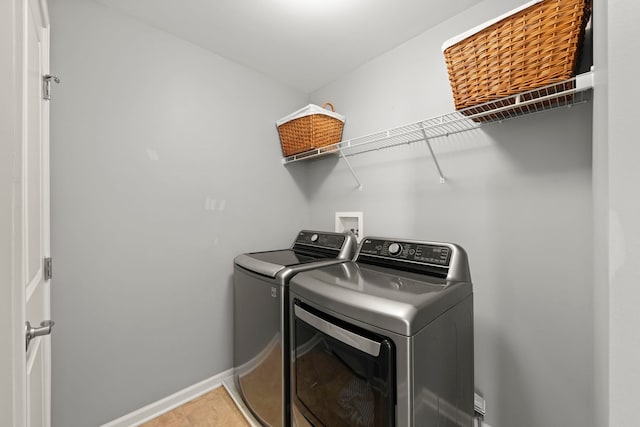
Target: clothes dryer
[(385, 340)]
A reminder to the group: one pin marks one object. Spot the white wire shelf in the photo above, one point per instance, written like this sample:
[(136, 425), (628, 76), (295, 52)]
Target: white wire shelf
[(566, 93)]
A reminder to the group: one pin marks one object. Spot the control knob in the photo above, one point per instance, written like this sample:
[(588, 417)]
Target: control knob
[(394, 249), (314, 238)]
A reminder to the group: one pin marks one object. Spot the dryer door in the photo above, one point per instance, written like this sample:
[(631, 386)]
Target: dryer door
[(342, 374)]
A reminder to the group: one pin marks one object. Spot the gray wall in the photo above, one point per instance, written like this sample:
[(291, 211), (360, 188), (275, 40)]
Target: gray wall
[(165, 165), (601, 215), (518, 198), (624, 212), (138, 128), (616, 213)]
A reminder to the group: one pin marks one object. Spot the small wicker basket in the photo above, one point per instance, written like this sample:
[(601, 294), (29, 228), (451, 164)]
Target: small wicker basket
[(310, 128), (534, 46)]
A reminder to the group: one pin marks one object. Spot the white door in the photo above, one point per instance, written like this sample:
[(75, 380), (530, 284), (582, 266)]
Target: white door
[(31, 227)]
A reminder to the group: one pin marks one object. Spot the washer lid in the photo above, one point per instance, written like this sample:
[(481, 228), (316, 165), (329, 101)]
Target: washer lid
[(309, 246), (400, 302), (269, 263)]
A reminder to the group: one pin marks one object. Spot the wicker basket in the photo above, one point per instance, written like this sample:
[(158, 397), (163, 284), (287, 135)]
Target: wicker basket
[(310, 128), (533, 46)]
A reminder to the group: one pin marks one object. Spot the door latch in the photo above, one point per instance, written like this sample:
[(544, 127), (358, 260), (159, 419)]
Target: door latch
[(46, 86), (30, 332), (48, 272)]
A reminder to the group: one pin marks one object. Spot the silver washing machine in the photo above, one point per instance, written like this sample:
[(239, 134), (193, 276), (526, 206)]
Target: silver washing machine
[(261, 318), (385, 340)]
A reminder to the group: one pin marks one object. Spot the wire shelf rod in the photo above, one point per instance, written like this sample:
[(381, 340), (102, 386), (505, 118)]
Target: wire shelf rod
[(397, 144), (522, 104), (433, 156), (353, 173)]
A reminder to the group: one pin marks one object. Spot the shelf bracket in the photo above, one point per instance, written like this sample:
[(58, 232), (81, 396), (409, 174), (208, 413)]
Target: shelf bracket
[(433, 155), (351, 169)]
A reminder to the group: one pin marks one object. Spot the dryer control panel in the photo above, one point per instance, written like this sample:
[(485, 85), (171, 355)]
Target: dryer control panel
[(324, 240), (410, 251)]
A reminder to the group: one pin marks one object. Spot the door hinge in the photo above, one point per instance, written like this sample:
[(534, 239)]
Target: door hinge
[(47, 268), (46, 86)]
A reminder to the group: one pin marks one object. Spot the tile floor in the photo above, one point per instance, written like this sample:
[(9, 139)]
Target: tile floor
[(213, 409)]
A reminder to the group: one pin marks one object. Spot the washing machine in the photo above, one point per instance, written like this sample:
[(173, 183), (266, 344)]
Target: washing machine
[(261, 317), (385, 340)]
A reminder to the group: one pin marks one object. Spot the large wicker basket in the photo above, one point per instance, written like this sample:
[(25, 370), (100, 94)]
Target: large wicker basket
[(532, 46), (310, 128)]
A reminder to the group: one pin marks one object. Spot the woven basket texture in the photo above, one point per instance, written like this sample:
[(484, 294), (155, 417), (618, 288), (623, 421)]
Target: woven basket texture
[(532, 48), (309, 133)]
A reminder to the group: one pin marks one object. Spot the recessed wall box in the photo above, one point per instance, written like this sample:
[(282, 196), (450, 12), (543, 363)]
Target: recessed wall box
[(350, 221)]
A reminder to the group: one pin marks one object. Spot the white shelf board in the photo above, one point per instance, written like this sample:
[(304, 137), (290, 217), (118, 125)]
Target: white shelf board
[(565, 93)]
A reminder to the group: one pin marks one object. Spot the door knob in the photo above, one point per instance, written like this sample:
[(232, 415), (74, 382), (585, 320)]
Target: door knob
[(30, 332)]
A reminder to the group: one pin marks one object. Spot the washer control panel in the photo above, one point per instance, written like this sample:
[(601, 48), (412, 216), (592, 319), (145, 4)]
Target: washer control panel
[(325, 240), (415, 252)]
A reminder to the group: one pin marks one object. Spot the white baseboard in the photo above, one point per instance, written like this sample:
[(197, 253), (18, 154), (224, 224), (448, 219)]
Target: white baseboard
[(158, 408)]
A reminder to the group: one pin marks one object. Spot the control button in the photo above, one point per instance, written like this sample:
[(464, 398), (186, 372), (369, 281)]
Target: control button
[(314, 238), (394, 249), (412, 251)]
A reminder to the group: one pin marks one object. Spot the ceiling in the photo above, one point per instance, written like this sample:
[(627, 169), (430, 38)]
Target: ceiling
[(303, 43)]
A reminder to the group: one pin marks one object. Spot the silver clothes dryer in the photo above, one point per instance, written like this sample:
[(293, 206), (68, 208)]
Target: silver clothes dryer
[(385, 340), (261, 318)]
